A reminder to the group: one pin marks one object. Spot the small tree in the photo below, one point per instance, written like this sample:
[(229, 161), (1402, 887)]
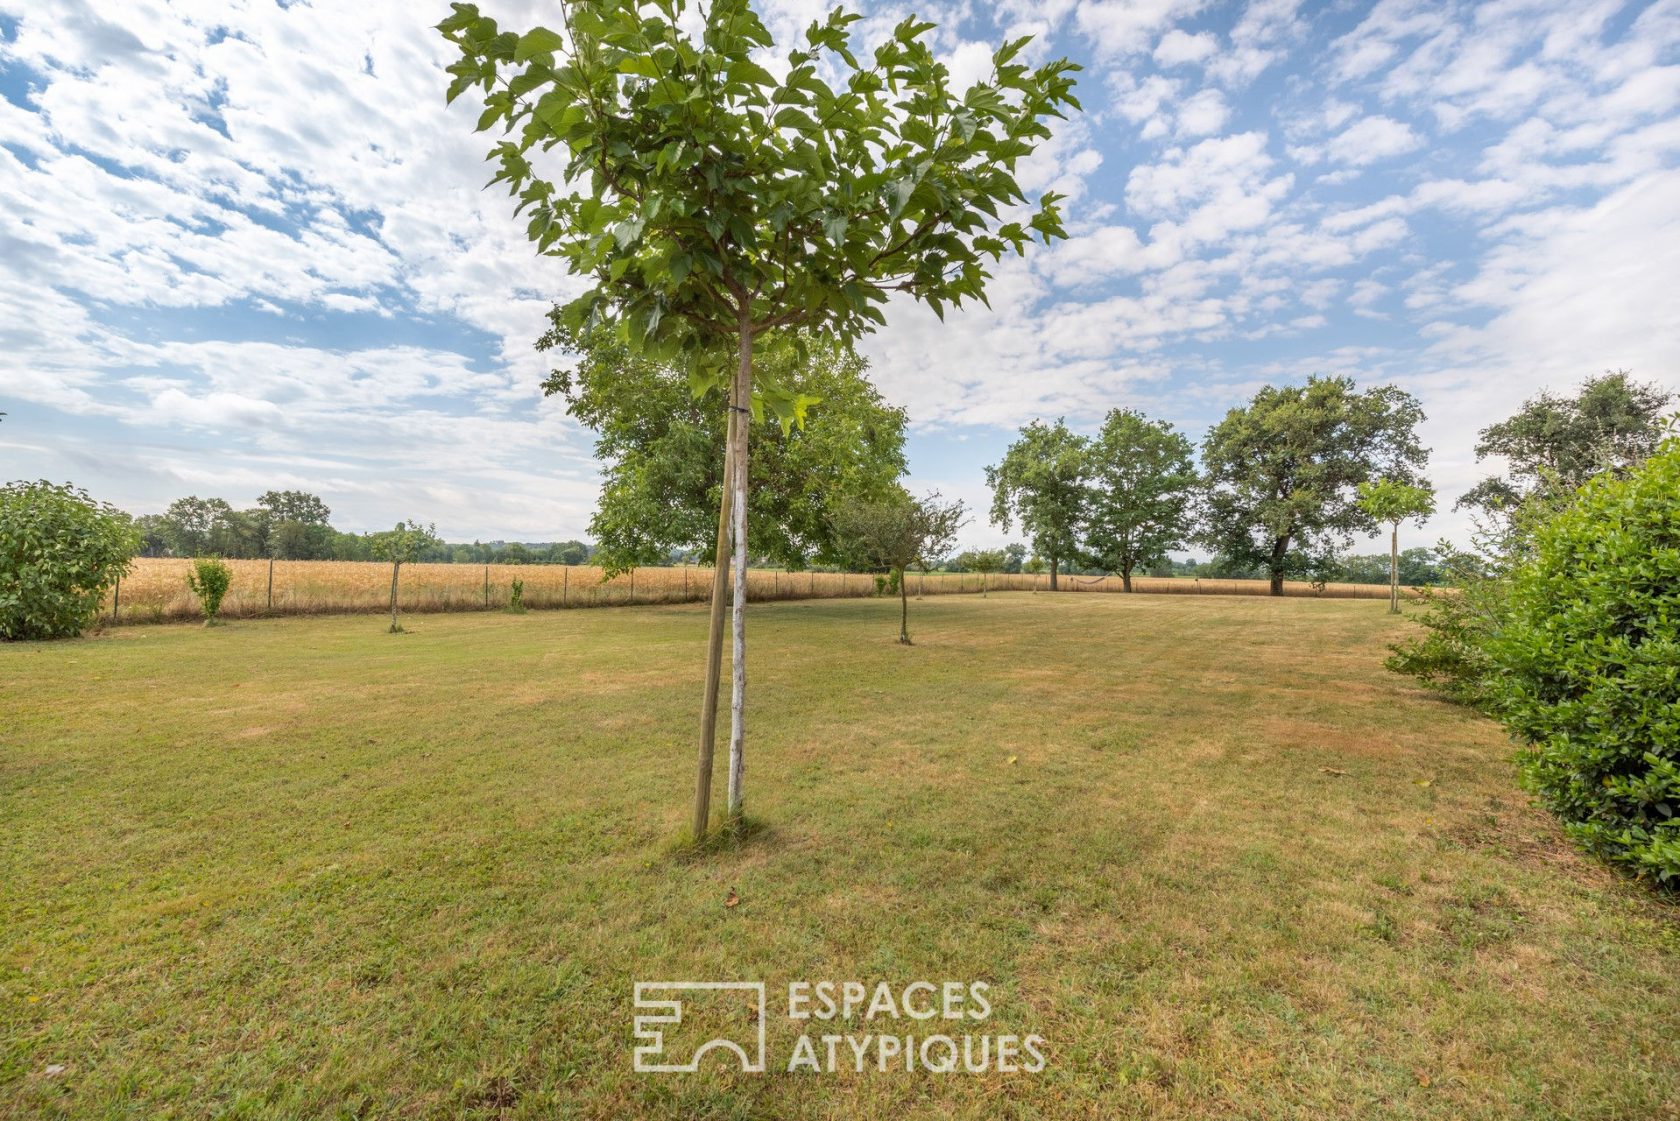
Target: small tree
[(60, 552), (985, 562), (402, 545), (898, 533), (711, 206), (209, 581), (1043, 481), (1391, 501), (1142, 481)]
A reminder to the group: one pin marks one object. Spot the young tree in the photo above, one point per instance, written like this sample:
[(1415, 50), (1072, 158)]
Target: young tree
[(709, 204), (402, 545), (1142, 482), (1391, 502), (1281, 472), (60, 551), (209, 581), (985, 562), (1043, 481), (897, 533), (662, 450)]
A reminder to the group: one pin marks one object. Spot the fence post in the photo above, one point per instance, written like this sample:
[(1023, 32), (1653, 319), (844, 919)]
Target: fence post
[(271, 585), (565, 583), (685, 580), (632, 585), (486, 587), (116, 599)]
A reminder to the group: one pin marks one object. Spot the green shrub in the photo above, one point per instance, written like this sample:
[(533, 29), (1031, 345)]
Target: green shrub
[(209, 581), (1586, 667), (1449, 657), (60, 551), (516, 598)]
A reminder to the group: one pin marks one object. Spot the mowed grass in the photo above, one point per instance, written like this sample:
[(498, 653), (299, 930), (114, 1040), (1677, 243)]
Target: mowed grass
[(302, 868)]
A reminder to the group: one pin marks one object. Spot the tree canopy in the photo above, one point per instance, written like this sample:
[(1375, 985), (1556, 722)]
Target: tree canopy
[(1142, 484), (1282, 471), (1554, 444), (1043, 480), (662, 452)]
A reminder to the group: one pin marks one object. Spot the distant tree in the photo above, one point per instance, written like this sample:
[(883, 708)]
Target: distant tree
[(403, 545), (663, 452), (60, 552), (1391, 502), (1142, 485), (898, 533), (1282, 472), (1034, 565), (191, 522), (209, 582), (1014, 556), (986, 562), (1043, 480), (154, 535), (298, 524), (514, 552), (1553, 445)]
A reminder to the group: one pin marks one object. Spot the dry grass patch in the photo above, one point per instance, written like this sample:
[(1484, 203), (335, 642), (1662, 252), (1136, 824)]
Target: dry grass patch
[(302, 868)]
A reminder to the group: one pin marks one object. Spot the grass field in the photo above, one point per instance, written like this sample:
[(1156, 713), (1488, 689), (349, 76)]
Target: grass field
[(155, 590), (1208, 848)]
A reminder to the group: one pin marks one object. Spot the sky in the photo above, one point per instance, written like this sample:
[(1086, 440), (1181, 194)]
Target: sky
[(245, 245)]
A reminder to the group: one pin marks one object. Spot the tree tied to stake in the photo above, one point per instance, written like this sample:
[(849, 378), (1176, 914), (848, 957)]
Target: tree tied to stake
[(710, 203)]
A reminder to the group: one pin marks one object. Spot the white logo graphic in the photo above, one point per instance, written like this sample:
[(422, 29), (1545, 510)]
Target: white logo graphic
[(649, 1053)]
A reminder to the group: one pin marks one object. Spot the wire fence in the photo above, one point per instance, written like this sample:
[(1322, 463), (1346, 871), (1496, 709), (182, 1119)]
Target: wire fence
[(155, 590)]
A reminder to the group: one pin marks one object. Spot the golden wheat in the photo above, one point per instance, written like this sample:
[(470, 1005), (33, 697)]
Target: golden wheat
[(156, 588)]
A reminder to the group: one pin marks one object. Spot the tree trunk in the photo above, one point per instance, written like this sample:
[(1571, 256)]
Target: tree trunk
[(714, 641), (904, 607), (1052, 573), (1280, 549), (396, 566), (738, 693), (1126, 578), (1394, 570)]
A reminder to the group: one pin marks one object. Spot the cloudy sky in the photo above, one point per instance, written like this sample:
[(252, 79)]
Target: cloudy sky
[(243, 245)]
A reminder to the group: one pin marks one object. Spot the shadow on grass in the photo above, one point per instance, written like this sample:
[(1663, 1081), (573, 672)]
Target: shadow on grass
[(725, 838)]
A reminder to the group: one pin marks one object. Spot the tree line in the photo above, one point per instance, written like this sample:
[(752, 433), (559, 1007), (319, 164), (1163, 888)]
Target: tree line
[(1284, 484), (295, 525)]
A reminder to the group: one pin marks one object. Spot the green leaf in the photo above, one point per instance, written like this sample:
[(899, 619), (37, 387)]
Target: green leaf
[(537, 41)]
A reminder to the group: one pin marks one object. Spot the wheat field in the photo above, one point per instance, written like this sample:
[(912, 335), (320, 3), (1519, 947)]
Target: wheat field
[(155, 589)]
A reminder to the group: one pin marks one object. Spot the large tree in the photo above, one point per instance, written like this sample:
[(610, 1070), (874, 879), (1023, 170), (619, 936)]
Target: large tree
[(1552, 445), (896, 533), (709, 204), (1142, 487), (1043, 480), (662, 448), (1282, 472)]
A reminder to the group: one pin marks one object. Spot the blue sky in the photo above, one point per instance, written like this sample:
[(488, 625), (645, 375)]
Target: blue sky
[(244, 245)]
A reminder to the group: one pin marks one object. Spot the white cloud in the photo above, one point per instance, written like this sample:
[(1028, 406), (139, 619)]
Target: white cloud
[(1373, 139), (1179, 47)]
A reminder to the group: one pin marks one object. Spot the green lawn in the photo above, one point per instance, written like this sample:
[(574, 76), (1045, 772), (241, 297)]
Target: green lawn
[(1208, 848)]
